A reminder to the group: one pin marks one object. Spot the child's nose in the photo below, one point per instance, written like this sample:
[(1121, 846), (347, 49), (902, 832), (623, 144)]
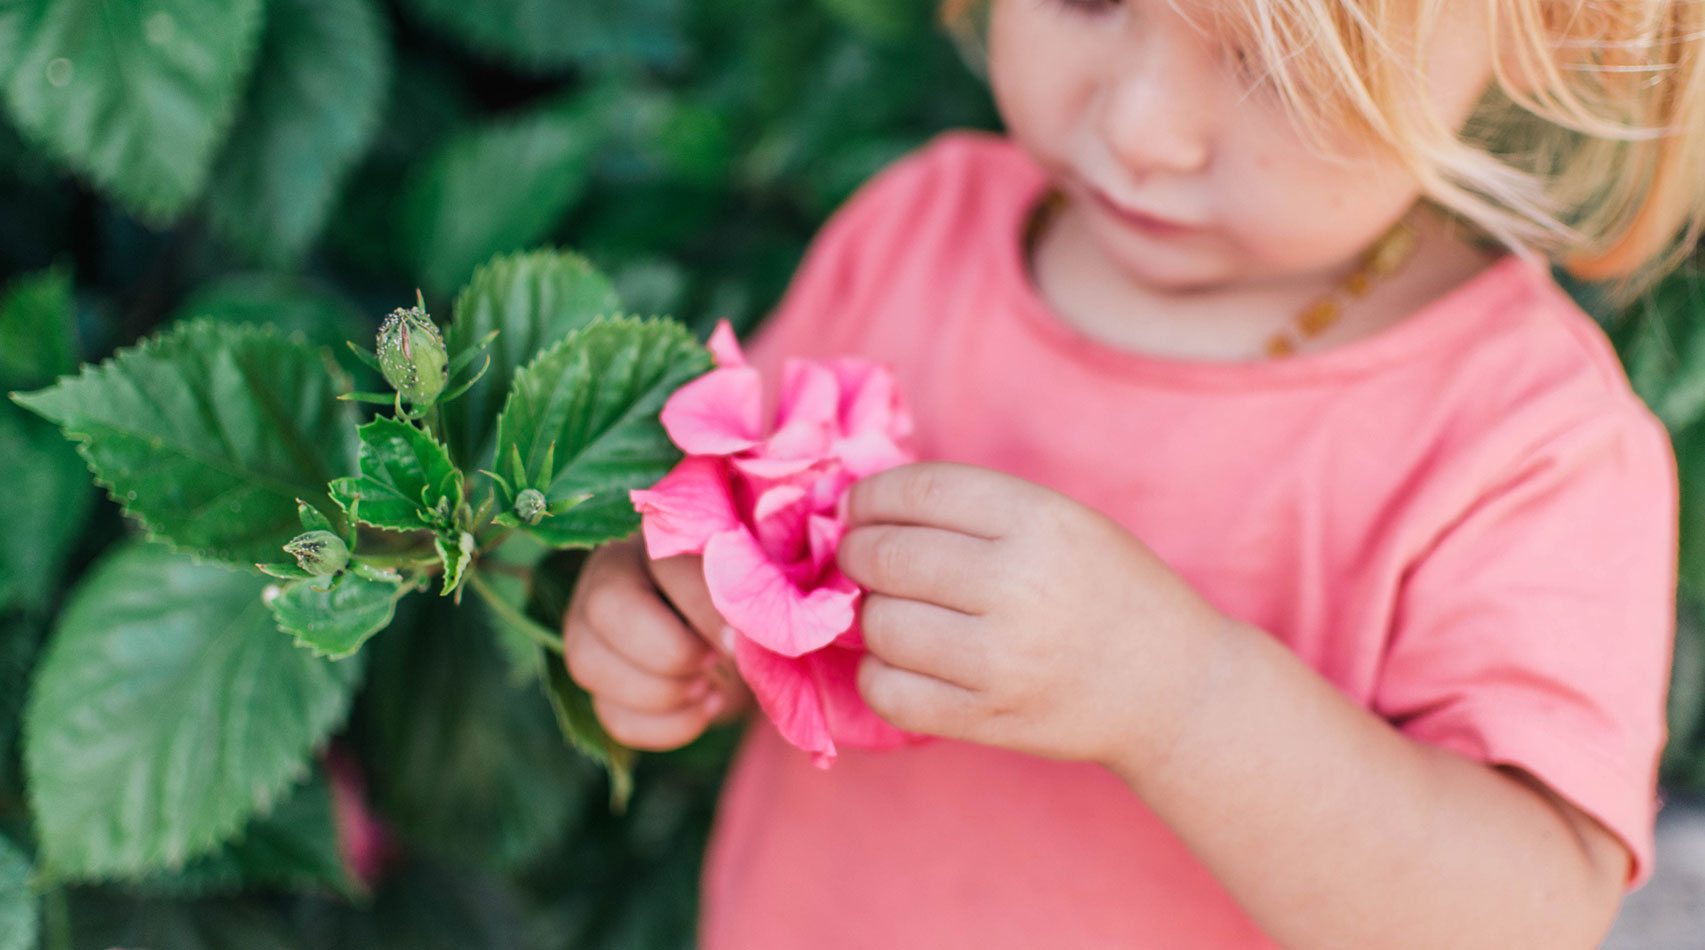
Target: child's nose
[(1156, 111)]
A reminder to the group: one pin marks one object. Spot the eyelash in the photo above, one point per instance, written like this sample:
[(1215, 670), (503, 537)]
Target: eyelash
[(1094, 8)]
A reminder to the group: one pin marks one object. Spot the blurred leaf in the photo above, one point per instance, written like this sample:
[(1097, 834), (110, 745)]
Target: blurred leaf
[(290, 303), (293, 846), (167, 711), (427, 102), (534, 300), (426, 906), (311, 109), (1683, 764), (20, 636), (493, 190), (37, 339), (407, 481), (335, 623), (106, 920), (580, 726), (1661, 341), (595, 396), (467, 764), (882, 19), (134, 94), (546, 34), (17, 902), (44, 507), (652, 286), (208, 434), (1689, 446)]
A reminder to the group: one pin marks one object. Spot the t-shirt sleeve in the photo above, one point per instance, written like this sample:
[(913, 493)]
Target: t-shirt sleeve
[(1537, 629)]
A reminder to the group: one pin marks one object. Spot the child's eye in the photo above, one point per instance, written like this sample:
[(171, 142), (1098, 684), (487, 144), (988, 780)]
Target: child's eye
[(1089, 7)]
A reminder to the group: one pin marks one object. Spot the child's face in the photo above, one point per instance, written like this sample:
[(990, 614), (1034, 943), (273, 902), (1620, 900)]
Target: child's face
[(1130, 98)]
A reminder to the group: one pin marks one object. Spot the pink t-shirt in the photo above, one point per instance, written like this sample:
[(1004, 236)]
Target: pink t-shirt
[(1466, 522)]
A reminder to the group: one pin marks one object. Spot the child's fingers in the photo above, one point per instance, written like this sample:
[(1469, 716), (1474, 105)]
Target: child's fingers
[(623, 609), (603, 672), (681, 579), (654, 731), (641, 628)]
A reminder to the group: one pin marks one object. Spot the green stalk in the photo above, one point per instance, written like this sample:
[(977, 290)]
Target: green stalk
[(516, 618)]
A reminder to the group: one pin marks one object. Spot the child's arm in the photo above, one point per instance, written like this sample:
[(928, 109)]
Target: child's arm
[(1333, 830)]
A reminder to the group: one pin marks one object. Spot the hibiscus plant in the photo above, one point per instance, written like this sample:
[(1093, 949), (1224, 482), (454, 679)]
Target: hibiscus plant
[(284, 532)]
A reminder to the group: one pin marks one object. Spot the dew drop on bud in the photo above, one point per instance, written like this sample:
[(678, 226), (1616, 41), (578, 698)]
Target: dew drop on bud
[(411, 355), (320, 553), (530, 505)]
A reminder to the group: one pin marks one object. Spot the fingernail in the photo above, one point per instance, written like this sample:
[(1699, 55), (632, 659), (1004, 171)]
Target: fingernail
[(728, 639), (698, 689), (714, 704)]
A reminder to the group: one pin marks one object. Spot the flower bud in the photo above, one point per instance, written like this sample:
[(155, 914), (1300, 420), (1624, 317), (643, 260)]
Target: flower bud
[(530, 505), (411, 355), (320, 553)]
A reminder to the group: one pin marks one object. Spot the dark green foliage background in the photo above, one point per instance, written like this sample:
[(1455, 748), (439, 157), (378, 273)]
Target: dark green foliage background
[(331, 158), (335, 156)]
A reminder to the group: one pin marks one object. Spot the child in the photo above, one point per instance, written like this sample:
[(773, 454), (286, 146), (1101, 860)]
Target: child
[(1294, 564)]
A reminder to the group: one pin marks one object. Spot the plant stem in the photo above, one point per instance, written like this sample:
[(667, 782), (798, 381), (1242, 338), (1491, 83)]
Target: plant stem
[(493, 541), (515, 618), (513, 570), (58, 936)]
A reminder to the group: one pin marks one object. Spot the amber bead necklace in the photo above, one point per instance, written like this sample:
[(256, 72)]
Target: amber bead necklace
[(1382, 259)]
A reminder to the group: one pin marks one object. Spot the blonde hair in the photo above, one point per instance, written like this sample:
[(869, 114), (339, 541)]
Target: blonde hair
[(1588, 147)]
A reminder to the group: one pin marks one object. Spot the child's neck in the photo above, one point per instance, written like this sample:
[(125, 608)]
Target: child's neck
[(1233, 322)]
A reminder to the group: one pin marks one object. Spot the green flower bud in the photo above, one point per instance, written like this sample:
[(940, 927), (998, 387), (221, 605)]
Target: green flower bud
[(411, 355), (530, 505), (320, 553)]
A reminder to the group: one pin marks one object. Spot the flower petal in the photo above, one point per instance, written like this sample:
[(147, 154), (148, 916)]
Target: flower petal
[(851, 721), (719, 413), (788, 694), (686, 507), (810, 393), (757, 598), (725, 347)]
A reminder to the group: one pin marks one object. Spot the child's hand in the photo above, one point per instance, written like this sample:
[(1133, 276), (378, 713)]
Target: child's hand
[(656, 681), (1002, 612)]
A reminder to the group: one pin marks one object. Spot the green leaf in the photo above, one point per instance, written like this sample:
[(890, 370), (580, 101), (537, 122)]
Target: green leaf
[(547, 34), (136, 94), (407, 481), (336, 622), (17, 902), (208, 434), (455, 556), (493, 190), (293, 846), (311, 109), (580, 726), (43, 508), (166, 711), (597, 395), (312, 519), (534, 299), (467, 764), (37, 339)]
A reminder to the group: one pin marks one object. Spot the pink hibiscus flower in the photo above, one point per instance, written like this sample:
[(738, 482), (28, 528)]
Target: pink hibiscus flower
[(764, 505)]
